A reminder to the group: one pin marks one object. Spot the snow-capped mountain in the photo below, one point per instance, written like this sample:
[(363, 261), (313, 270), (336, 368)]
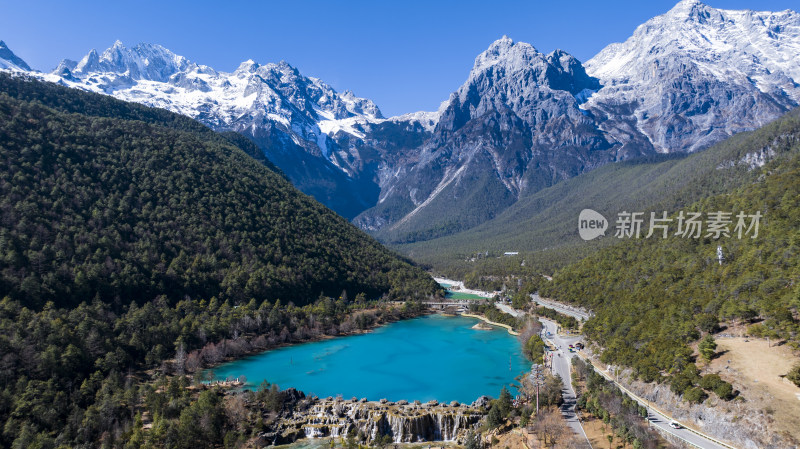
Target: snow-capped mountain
[(298, 121), (155, 76), (514, 126), (695, 75), (10, 61), (522, 120), (683, 81)]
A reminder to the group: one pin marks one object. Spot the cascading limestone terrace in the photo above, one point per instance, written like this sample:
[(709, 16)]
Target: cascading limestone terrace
[(403, 422)]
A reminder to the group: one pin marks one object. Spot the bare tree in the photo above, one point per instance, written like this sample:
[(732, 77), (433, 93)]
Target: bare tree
[(194, 361), (550, 427), (180, 359), (236, 408)]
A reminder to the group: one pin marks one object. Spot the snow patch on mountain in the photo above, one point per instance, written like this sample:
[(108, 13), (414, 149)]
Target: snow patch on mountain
[(697, 74), (252, 96), (10, 61), (728, 44)]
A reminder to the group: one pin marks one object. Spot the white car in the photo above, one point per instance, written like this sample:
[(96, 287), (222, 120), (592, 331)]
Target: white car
[(674, 425)]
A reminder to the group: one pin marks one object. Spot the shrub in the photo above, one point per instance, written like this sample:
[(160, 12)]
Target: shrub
[(724, 390), (680, 383), (695, 395), (794, 375), (710, 381)]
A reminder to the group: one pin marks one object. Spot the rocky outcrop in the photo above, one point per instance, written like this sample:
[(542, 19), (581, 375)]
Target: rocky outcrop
[(735, 421)]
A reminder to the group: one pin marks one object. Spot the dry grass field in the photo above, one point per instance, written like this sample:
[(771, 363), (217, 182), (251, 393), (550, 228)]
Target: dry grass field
[(756, 369)]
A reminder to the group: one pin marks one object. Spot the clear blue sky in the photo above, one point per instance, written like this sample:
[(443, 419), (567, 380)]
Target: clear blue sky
[(405, 55)]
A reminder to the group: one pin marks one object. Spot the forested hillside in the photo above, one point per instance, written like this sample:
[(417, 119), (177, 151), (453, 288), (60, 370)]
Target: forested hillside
[(149, 203), (136, 243), (652, 297)]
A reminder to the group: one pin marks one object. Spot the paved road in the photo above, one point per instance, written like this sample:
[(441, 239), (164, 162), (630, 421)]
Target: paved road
[(576, 313), (561, 361), (662, 423), (509, 310), (561, 364)]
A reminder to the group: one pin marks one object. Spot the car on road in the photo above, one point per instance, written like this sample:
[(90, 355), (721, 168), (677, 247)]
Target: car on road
[(674, 425)]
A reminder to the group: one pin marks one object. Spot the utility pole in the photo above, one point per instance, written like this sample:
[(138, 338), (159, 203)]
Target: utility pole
[(537, 377)]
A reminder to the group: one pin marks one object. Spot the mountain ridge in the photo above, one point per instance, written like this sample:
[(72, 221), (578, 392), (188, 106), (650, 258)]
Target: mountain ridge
[(294, 119), (10, 61), (689, 76), (129, 203), (534, 119), (666, 89)]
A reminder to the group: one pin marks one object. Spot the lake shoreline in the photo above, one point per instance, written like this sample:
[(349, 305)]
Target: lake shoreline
[(486, 320), (209, 367), (379, 366)]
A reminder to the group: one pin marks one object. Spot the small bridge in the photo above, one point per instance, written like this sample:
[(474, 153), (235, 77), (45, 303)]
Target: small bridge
[(445, 304)]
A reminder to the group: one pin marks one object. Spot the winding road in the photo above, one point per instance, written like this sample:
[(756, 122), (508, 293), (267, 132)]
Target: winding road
[(578, 314), (561, 365), (561, 361)]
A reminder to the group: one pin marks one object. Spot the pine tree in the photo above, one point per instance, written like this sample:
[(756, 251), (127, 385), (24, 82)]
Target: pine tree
[(504, 402), (495, 416), (707, 348), (471, 441)]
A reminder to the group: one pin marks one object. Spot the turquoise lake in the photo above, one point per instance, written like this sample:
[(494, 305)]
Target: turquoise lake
[(432, 357)]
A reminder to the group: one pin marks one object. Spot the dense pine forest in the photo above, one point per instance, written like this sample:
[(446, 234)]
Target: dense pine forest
[(135, 243), (127, 209)]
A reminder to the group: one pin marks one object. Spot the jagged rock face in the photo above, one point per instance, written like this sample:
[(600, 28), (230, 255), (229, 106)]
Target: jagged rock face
[(695, 75), (515, 126), (522, 121), (516, 76), (404, 423), (683, 81)]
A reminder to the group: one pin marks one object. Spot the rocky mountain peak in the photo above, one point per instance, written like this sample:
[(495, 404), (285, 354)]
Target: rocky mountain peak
[(88, 63), (697, 74), (9, 60), (516, 76), (144, 61), (688, 7), (507, 55), (247, 66)]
